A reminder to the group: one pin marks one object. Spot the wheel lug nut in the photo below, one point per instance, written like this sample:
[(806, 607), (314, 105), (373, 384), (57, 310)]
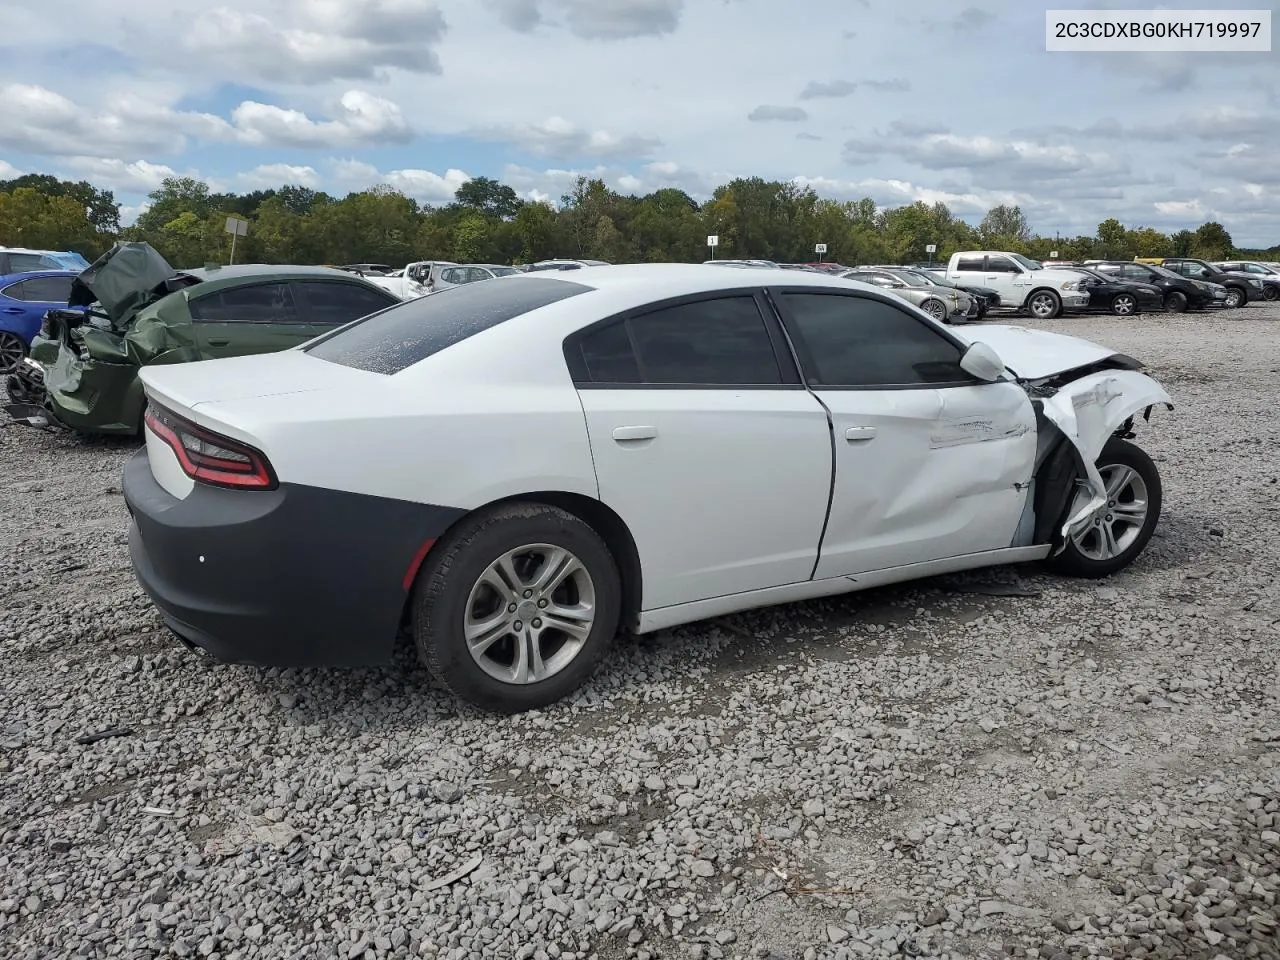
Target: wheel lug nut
[(518, 625), (537, 624), (528, 594), (511, 608), (542, 604)]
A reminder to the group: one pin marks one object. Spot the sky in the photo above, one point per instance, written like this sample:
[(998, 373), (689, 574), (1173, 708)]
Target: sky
[(935, 100)]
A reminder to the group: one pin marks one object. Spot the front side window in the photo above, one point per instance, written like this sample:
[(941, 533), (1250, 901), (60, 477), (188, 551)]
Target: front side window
[(717, 342), (257, 303), (1002, 265), (860, 342)]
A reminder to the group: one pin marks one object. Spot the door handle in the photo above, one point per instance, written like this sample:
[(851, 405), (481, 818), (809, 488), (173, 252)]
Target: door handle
[(626, 434), (14, 310), (858, 434), (218, 341)]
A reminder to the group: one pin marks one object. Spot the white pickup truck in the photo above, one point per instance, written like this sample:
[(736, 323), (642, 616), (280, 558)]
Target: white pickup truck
[(1023, 283)]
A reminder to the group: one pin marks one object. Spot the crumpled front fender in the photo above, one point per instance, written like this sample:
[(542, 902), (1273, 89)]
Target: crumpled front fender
[(1089, 411)]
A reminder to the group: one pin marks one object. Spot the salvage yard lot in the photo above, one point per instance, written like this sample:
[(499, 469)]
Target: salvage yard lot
[(1003, 759)]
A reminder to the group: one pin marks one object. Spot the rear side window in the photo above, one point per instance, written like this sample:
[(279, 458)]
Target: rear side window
[(27, 262), (723, 341), (259, 303), (14, 291), (331, 303), (412, 331), (47, 289), (973, 264)]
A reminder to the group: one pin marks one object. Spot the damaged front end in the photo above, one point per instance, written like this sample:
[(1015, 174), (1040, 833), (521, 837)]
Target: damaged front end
[(83, 370), (1078, 412)]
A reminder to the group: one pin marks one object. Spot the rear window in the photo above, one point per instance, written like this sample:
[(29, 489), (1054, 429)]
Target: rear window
[(403, 335)]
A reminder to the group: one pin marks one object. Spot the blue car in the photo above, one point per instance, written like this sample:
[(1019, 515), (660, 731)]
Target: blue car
[(24, 300)]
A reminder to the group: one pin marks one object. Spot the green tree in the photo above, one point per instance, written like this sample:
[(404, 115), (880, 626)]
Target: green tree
[(489, 196), (100, 206), (1005, 227), (1113, 240), (32, 218), (174, 196), (1212, 242)]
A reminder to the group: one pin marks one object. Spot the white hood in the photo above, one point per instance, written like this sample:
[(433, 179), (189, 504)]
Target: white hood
[(1033, 354)]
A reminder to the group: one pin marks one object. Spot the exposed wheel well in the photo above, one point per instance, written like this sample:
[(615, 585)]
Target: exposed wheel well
[(611, 528)]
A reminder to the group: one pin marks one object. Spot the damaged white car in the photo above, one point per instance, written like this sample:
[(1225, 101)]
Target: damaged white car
[(513, 472)]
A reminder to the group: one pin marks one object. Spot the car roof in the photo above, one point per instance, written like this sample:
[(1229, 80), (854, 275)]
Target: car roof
[(31, 250), (6, 279), (216, 278)]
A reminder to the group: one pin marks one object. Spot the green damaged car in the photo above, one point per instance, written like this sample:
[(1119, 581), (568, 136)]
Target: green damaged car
[(131, 309)]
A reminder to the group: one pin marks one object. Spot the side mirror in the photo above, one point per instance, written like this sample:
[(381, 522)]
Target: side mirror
[(982, 362)]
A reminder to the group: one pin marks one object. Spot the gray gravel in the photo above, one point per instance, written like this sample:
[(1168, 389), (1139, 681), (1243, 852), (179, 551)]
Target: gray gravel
[(1003, 762)]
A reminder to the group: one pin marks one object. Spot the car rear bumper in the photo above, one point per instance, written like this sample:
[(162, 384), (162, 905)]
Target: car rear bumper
[(297, 576)]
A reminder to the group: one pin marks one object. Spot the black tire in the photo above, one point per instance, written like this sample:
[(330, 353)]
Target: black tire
[(1124, 305), (1044, 305), (12, 352), (1236, 297), (455, 565), (1176, 302), (1271, 293), (1074, 561)]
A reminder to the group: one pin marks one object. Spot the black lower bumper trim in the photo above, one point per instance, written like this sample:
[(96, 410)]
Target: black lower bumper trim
[(297, 576)]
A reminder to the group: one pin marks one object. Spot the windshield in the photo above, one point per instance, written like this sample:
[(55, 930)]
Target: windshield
[(70, 260), (910, 279), (503, 271), (1029, 264)]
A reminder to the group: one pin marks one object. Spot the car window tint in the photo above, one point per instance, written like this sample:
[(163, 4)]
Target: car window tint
[(332, 302), (47, 289), (609, 356), (720, 341), (257, 303), (970, 263), (15, 291), (25, 262), (861, 342), (1001, 265), (416, 329)]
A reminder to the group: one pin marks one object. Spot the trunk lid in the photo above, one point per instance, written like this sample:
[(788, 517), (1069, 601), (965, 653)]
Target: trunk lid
[(123, 280)]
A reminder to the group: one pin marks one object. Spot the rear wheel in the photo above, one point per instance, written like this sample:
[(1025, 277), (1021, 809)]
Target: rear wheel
[(1045, 305), (517, 607), (1235, 297), (1176, 302), (1116, 538), (12, 352), (1124, 305)]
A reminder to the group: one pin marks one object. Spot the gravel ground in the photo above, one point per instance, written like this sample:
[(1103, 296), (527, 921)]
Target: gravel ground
[(1005, 763)]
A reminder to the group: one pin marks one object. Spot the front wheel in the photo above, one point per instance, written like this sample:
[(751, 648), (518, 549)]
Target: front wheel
[(1271, 293), (516, 608), (1235, 297), (1176, 302), (936, 309), (1045, 305), (1124, 305), (12, 352), (1116, 538)]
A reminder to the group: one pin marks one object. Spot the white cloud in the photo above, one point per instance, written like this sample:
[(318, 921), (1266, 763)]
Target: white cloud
[(139, 176), (311, 41), (816, 89), (592, 19), (558, 138), (361, 119), (271, 175), (422, 185), (8, 171), (36, 120)]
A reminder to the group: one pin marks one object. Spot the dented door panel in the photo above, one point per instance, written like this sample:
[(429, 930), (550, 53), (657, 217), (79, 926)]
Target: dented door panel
[(945, 473)]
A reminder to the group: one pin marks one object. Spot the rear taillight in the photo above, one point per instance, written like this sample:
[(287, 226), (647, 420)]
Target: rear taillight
[(210, 457)]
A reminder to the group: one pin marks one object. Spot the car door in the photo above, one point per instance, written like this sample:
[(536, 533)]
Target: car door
[(24, 304), (250, 318), (930, 463), (1005, 275), (706, 444), (328, 304)]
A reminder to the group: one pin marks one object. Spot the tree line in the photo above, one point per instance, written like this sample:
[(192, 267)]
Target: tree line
[(487, 222)]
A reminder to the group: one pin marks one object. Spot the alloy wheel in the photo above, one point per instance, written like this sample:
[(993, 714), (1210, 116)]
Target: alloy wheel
[(1044, 306), (1115, 530), (1234, 297), (12, 352), (1124, 305), (529, 613)]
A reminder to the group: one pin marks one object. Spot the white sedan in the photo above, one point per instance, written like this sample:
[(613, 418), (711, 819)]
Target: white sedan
[(513, 472)]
